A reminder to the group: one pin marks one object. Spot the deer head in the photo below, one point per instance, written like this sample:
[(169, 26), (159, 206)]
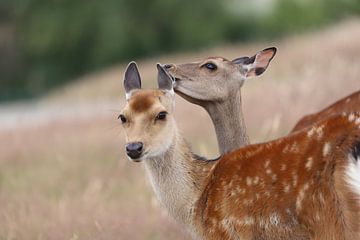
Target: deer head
[(215, 78), (147, 116), (214, 84)]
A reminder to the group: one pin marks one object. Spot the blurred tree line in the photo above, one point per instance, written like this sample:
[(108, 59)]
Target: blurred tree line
[(44, 43)]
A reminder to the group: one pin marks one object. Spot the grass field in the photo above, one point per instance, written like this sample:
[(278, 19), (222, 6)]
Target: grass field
[(63, 172)]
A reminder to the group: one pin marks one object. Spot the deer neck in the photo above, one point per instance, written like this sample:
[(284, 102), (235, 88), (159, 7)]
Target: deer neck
[(228, 121), (178, 179)]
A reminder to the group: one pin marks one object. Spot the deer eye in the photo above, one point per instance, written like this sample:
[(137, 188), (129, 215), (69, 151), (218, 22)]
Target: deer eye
[(122, 118), (161, 115), (210, 66)]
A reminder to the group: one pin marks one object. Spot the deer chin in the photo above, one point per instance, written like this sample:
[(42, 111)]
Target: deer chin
[(137, 160), (189, 94)]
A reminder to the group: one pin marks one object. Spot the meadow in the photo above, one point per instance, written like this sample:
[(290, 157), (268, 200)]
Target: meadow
[(63, 170)]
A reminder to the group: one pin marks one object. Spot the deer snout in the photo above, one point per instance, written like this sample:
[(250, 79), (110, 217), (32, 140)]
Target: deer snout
[(134, 149)]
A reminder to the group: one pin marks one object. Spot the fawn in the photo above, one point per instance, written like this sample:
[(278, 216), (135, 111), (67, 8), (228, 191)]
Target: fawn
[(303, 186)]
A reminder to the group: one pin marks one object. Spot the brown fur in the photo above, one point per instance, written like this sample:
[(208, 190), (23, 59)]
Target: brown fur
[(142, 102), (349, 103), (217, 58), (328, 209)]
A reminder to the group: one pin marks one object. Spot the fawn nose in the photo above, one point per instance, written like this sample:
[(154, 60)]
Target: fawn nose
[(134, 149)]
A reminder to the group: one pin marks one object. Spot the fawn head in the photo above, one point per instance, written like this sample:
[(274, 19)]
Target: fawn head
[(147, 116), (214, 78)]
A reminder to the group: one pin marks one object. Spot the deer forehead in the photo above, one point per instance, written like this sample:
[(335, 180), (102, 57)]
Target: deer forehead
[(142, 101), (217, 60)]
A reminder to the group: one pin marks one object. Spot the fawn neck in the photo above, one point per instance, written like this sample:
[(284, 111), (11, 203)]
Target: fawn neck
[(228, 121), (178, 179)]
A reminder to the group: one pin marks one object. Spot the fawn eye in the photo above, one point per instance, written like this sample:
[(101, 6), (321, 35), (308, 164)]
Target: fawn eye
[(161, 115), (210, 66), (122, 118)]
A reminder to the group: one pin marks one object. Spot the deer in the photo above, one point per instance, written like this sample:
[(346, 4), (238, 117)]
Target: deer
[(303, 186), (215, 84)]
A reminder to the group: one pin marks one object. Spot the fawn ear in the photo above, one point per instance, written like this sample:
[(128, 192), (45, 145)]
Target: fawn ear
[(257, 64), (132, 79), (165, 81)]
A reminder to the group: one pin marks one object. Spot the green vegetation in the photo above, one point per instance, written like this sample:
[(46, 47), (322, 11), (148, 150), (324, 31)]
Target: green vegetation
[(46, 43)]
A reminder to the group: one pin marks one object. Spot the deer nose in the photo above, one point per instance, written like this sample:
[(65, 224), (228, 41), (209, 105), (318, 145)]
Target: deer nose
[(168, 66), (134, 149)]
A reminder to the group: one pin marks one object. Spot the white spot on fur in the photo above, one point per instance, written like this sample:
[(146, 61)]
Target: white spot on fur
[(274, 177), (295, 179), (287, 188), (240, 190), (309, 163), (311, 132), (283, 167), (288, 211), (357, 122), (268, 171), (294, 147), (351, 117), (353, 174), (347, 100), (225, 223), (256, 180), (286, 148), (320, 131), (248, 181), (301, 196), (326, 149), (263, 223), (248, 220), (275, 219)]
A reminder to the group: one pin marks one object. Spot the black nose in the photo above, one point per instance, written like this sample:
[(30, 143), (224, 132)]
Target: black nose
[(134, 149), (167, 66)]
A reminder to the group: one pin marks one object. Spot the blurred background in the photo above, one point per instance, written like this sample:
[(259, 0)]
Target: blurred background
[(63, 172)]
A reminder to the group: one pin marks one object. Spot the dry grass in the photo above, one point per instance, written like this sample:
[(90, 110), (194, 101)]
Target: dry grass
[(62, 169)]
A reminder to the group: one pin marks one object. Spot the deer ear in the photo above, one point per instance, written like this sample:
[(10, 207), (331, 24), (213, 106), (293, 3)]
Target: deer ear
[(257, 64), (165, 81), (132, 78)]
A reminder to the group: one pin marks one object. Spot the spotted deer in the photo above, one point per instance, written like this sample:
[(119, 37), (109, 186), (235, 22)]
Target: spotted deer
[(303, 186), (349, 103), (214, 83)]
